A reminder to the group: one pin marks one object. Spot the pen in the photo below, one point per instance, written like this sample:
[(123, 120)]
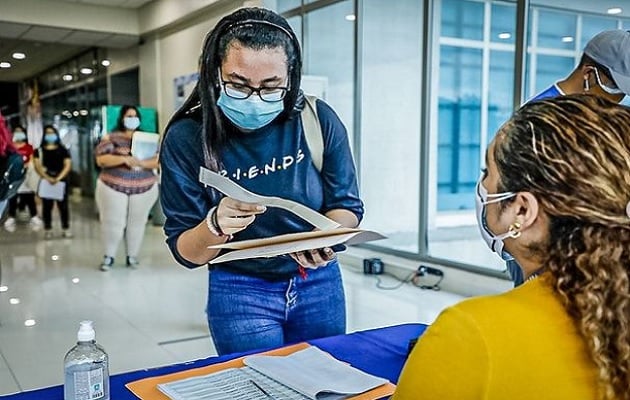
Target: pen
[(261, 389)]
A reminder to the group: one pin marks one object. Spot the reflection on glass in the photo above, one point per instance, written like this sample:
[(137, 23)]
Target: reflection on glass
[(556, 29), (390, 120), (462, 19), (501, 90), (550, 69), (330, 63), (296, 25), (592, 25), (502, 28), (459, 123), (281, 6)]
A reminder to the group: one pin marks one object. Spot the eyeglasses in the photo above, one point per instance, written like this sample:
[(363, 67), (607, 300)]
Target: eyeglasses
[(242, 91), (612, 89)]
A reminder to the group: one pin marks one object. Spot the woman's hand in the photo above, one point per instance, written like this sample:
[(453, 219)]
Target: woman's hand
[(132, 162), (314, 258), (233, 216)]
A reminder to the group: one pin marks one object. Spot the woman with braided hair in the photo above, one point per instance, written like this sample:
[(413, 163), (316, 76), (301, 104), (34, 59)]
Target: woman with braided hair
[(555, 195)]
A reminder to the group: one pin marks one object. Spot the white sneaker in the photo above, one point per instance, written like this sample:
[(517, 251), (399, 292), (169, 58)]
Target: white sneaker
[(36, 223), (9, 224)]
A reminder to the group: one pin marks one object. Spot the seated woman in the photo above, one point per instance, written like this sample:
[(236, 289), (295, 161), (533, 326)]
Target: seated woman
[(556, 196)]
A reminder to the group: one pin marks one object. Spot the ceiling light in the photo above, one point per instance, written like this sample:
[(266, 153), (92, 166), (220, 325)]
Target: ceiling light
[(86, 71), (4, 288), (5, 64), (614, 10), (567, 39), (351, 17), (54, 257), (18, 56), (106, 63), (75, 113), (83, 112), (76, 280), (67, 77), (505, 35), (14, 300), (29, 322)]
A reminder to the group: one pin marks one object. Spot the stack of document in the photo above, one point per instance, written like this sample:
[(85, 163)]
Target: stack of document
[(144, 145), (305, 374)]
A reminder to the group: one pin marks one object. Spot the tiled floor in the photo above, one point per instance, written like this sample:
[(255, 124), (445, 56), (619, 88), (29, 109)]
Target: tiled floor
[(144, 318)]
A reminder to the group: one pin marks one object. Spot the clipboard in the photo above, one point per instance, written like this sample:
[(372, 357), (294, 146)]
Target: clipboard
[(146, 389)]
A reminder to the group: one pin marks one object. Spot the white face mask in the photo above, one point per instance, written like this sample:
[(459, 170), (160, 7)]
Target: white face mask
[(131, 123), (494, 242)]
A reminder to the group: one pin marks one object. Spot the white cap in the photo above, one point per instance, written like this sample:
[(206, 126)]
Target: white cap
[(86, 332)]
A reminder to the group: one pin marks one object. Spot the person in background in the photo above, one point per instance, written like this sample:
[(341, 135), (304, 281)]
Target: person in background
[(555, 195), (604, 70), (126, 190), (26, 194), (52, 163), (9, 176), (245, 113)]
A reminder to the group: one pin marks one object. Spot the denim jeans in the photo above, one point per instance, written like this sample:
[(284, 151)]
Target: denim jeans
[(246, 312)]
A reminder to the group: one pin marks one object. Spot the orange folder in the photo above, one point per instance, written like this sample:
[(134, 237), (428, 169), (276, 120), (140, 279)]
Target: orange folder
[(146, 389)]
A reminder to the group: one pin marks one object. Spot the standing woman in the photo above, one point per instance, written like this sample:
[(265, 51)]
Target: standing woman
[(125, 190), (53, 163), (26, 193), (243, 121)]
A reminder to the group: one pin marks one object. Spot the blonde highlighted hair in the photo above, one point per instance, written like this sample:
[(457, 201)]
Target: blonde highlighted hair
[(573, 154)]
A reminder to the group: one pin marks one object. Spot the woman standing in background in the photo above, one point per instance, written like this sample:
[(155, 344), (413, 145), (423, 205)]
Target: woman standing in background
[(53, 163), (26, 193), (125, 190)]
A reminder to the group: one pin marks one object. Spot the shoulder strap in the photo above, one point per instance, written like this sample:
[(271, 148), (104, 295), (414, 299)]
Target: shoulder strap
[(313, 131)]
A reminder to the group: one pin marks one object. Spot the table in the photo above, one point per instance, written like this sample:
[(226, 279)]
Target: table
[(381, 352)]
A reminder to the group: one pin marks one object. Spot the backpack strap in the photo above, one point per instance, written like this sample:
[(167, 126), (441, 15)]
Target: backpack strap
[(313, 131)]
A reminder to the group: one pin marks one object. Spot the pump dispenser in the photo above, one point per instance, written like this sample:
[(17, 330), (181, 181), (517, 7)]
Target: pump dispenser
[(86, 367)]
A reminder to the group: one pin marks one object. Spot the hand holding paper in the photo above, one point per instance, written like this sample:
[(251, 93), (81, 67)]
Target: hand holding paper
[(329, 235), (233, 215)]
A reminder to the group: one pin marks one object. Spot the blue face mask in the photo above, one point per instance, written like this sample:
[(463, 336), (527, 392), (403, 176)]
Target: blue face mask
[(50, 138), (251, 113), (19, 137)]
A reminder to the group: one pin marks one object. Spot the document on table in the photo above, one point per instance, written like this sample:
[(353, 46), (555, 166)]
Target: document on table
[(305, 374), (329, 234), (47, 190), (144, 145)]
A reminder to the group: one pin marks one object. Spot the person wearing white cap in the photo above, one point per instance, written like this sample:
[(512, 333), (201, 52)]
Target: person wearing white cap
[(604, 70)]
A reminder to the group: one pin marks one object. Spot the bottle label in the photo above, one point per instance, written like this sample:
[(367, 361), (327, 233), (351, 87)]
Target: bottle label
[(92, 381)]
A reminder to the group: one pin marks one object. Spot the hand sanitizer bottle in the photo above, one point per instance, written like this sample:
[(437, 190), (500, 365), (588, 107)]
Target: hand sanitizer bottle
[(86, 368)]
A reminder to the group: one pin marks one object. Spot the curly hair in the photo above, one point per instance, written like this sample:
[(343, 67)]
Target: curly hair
[(573, 154)]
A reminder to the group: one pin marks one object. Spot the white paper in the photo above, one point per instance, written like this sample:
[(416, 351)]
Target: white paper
[(144, 145), (233, 190), (47, 190), (315, 373)]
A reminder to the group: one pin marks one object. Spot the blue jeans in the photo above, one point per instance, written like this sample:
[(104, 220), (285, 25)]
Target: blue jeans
[(247, 313)]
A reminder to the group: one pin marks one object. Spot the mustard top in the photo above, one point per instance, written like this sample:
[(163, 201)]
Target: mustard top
[(521, 344)]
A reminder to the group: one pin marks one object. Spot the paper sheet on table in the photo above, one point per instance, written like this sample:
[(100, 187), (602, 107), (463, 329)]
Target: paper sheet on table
[(144, 145), (146, 389), (291, 243), (233, 190), (47, 190)]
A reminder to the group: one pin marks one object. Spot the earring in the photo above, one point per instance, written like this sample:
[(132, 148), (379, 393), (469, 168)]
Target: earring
[(587, 85), (514, 230)]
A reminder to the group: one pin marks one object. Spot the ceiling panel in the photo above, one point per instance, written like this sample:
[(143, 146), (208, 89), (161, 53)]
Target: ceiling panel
[(11, 30), (86, 38), (45, 34), (119, 41)]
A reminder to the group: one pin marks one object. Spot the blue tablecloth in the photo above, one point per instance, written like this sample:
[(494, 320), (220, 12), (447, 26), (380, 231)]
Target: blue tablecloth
[(381, 352)]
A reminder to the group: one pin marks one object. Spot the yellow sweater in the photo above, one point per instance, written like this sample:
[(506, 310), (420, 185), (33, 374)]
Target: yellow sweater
[(518, 345)]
